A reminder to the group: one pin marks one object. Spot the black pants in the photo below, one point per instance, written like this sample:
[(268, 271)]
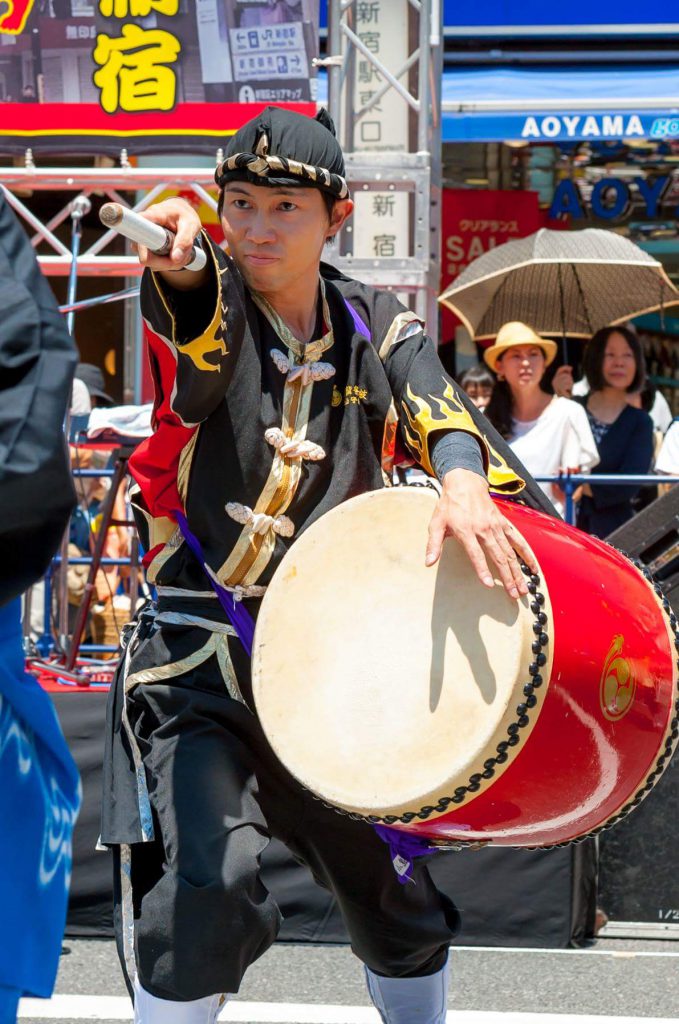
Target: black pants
[(218, 793)]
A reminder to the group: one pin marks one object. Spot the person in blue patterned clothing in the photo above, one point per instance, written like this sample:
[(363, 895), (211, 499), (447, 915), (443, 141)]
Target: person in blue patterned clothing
[(39, 784)]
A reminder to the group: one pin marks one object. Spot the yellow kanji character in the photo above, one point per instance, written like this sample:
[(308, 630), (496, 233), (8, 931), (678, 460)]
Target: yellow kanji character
[(137, 8), (132, 74)]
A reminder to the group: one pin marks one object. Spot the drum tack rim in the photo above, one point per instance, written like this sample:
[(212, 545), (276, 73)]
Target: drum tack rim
[(527, 712)]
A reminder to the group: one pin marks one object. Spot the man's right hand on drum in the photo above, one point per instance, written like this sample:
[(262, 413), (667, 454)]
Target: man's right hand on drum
[(466, 512)]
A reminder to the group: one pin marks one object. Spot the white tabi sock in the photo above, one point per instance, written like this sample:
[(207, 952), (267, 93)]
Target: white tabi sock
[(150, 1009), (410, 1000)]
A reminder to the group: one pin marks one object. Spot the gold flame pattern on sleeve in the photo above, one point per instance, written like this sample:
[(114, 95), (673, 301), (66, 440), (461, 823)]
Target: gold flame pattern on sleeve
[(212, 339), (420, 421)]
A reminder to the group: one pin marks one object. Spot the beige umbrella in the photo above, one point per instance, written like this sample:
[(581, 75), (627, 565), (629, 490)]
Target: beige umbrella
[(561, 283)]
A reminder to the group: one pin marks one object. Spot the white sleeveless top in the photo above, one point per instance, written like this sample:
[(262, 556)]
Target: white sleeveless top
[(560, 438)]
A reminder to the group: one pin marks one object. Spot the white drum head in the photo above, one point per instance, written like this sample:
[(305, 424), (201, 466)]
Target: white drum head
[(381, 684)]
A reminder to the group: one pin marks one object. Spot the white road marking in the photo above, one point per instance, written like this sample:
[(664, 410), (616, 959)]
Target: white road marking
[(92, 1008), (585, 951)]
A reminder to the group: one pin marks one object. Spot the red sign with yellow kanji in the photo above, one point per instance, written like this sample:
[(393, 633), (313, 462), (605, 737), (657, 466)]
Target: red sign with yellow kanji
[(149, 75)]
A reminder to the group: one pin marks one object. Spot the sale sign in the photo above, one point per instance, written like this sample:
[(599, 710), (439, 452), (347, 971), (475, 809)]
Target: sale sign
[(473, 222)]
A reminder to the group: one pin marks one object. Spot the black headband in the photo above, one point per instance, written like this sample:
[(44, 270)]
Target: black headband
[(263, 168), (284, 148)]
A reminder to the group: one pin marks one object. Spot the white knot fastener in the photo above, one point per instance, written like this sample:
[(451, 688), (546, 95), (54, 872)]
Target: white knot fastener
[(293, 449), (260, 522), (306, 372)]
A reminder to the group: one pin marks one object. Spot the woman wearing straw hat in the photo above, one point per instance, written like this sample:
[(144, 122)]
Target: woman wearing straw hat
[(548, 434)]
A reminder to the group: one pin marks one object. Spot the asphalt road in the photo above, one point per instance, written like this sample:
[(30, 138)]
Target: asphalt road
[(293, 984)]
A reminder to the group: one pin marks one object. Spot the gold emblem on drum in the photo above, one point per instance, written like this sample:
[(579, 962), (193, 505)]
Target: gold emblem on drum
[(618, 684)]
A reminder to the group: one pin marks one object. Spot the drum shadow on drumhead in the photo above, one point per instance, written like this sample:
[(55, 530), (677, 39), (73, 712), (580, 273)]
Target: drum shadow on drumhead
[(465, 627)]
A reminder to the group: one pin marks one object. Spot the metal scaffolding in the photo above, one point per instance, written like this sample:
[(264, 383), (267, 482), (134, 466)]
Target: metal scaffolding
[(416, 82), (110, 182), (414, 170)]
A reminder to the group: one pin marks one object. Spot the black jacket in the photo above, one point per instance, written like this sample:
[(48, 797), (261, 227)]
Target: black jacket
[(37, 362), (627, 447), (220, 357)]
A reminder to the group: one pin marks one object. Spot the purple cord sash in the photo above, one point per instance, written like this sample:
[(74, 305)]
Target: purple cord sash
[(238, 616), (360, 325), (403, 849)]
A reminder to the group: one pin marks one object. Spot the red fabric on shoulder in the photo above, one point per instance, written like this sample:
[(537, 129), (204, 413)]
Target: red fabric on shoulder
[(150, 555), (155, 462)]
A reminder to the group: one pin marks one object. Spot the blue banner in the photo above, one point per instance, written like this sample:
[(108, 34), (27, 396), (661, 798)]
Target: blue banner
[(598, 103), (534, 17), (568, 126)]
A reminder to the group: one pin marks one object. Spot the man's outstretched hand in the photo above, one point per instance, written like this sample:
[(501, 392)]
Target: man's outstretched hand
[(466, 512), (181, 219)]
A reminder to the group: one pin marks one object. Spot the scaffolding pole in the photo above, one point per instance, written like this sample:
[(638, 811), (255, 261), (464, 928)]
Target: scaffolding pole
[(412, 83)]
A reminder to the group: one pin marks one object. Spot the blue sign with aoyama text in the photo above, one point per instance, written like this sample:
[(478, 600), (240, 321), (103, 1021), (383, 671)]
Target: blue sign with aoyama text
[(611, 198), (563, 127)]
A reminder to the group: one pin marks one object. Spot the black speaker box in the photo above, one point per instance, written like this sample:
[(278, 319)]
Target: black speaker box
[(638, 879), (652, 537)]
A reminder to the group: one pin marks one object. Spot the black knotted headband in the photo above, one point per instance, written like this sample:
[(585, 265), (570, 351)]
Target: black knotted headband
[(267, 167), (281, 147)]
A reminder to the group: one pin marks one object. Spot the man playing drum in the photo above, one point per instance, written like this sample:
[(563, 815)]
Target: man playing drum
[(281, 387)]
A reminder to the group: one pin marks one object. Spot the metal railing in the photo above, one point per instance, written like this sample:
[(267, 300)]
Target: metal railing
[(45, 643), (569, 483)]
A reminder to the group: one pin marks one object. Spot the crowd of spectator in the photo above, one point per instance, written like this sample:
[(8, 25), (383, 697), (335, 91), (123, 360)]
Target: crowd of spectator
[(611, 421)]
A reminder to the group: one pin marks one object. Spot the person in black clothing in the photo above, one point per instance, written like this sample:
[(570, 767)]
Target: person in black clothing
[(614, 366), (275, 380)]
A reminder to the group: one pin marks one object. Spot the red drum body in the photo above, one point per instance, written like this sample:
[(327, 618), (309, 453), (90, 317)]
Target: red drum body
[(609, 708), (556, 714)]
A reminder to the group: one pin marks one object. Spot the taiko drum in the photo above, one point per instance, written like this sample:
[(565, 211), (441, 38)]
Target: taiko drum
[(418, 698)]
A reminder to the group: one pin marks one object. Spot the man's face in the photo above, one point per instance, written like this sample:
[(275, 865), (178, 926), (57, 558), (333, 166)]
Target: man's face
[(276, 235)]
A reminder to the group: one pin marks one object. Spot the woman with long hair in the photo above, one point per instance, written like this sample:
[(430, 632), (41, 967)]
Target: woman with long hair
[(614, 366), (550, 435)]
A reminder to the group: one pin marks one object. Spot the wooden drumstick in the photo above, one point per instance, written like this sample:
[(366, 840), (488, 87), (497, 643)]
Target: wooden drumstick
[(158, 240)]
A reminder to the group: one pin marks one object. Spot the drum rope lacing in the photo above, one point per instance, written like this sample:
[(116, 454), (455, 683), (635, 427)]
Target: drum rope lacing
[(514, 729)]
